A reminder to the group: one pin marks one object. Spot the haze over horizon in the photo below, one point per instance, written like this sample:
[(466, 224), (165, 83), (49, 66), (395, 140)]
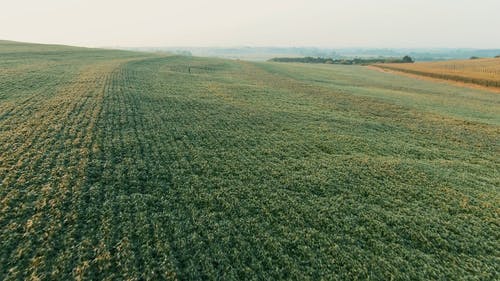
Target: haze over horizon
[(225, 23)]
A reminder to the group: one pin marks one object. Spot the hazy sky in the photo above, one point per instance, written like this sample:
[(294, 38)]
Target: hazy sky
[(322, 23)]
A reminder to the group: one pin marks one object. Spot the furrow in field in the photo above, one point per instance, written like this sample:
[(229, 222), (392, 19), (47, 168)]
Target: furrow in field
[(48, 178), (18, 105), (119, 195), (28, 126)]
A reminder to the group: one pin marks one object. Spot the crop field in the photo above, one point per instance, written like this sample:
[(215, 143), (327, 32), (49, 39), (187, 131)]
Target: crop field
[(484, 72), (117, 165)]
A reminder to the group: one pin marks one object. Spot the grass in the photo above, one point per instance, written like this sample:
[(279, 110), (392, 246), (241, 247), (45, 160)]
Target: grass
[(122, 165), (484, 72)]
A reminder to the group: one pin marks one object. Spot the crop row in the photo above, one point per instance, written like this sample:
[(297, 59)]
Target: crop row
[(141, 170), (481, 72)]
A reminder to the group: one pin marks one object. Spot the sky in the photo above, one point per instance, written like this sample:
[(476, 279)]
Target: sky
[(227, 23)]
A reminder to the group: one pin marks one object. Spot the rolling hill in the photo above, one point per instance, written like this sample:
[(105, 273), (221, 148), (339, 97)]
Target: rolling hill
[(119, 165)]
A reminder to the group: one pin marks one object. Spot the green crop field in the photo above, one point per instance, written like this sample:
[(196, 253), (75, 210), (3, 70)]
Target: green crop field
[(117, 165)]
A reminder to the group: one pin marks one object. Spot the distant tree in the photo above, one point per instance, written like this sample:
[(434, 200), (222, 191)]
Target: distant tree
[(474, 58), (408, 59), (497, 56), (354, 61)]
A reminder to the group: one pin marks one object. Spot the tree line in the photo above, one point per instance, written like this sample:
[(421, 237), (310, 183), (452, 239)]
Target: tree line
[(355, 61)]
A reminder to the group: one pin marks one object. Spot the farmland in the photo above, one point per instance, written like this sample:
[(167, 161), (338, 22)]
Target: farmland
[(118, 165), (484, 72)]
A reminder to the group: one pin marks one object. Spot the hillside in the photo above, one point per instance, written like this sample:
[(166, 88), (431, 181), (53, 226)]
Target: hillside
[(117, 165), (484, 72)]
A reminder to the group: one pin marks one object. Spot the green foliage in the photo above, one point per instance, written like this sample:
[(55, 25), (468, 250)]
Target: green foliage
[(303, 60), (125, 166), (408, 59), (355, 61)]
